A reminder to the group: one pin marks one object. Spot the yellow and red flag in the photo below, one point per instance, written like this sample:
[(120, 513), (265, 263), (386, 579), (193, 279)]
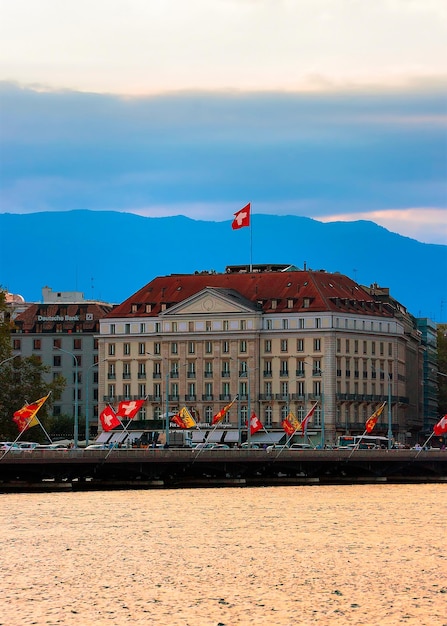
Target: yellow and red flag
[(184, 419), (288, 427), (221, 414), (26, 416), (372, 421)]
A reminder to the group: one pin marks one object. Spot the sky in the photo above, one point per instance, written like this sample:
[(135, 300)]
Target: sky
[(329, 109)]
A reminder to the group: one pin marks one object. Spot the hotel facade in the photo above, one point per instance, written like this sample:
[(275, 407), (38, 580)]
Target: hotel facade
[(275, 338)]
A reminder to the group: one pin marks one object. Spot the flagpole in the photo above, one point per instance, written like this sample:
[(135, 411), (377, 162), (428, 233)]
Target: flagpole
[(251, 241)]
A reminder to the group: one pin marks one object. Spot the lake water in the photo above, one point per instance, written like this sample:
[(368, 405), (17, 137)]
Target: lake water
[(279, 556)]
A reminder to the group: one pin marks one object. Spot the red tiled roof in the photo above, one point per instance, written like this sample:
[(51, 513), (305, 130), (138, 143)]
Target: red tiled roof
[(28, 320), (321, 290)]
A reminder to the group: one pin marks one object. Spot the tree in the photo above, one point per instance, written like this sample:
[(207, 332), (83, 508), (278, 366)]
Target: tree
[(21, 380)]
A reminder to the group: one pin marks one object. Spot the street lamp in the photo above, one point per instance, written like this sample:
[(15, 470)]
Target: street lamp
[(322, 416), (76, 412), (87, 417)]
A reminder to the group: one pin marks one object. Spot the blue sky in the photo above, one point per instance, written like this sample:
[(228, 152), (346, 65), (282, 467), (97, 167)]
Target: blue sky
[(330, 109)]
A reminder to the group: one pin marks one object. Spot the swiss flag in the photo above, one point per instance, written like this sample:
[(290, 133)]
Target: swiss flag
[(241, 218), (109, 419), (129, 408), (441, 427), (255, 424)]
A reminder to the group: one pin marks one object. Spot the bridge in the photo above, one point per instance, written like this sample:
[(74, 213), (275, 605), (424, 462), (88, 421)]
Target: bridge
[(136, 468)]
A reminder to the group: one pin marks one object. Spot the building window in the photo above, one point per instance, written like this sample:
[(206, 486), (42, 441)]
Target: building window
[(111, 391), (208, 369), (16, 344), (126, 391), (226, 347), (142, 328), (306, 303), (126, 370), (290, 303), (209, 390), (126, 349), (317, 345), (191, 390), (301, 322), (191, 327), (267, 346), (37, 344), (285, 324), (268, 416), (226, 325), (300, 386), (112, 329), (157, 348), (347, 346), (318, 322), (268, 368), (208, 414), (226, 368), (243, 346), (174, 347), (141, 348), (243, 368), (141, 370), (381, 348), (373, 347), (226, 390), (356, 346), (300, 345), (57, 343), (284, 345), (191, 347), (127, 329), (111, 375), (268, 389), (208, 347), (208, 325), (268, 324), (111, 349), (142, 390), (56, 361), (174, 327), (157, 327), (284, 368), (243, 325), (148, 308), (274, 304)]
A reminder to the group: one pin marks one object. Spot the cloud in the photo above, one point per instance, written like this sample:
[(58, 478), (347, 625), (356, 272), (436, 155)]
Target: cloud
[(205, 154)]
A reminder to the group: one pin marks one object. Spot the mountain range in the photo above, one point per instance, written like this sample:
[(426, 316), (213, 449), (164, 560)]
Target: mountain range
[(110, 255)]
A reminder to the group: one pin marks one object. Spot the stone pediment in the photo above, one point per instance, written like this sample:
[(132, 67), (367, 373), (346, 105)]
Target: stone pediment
[(211, 301)]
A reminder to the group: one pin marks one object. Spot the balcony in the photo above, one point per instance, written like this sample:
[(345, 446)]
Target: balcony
[(208, 374), (190, 398), (225, 374), (111, 376), (208, 398), (141, 375), (225, 397), (266, 397), (190, 374), (127, 376), (267, 373), (300, 373), (156, 375), (174, 398), (284, 373)]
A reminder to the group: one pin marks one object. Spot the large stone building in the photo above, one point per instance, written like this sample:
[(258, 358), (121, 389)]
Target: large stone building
[(276, 337)]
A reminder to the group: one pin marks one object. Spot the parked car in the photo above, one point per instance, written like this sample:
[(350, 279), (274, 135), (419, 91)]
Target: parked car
[(301, 446), (8, 445), (27, 445), (97, 446)]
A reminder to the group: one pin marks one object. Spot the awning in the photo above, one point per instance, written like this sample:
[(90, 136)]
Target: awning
[(267, 438), (232, 436)]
